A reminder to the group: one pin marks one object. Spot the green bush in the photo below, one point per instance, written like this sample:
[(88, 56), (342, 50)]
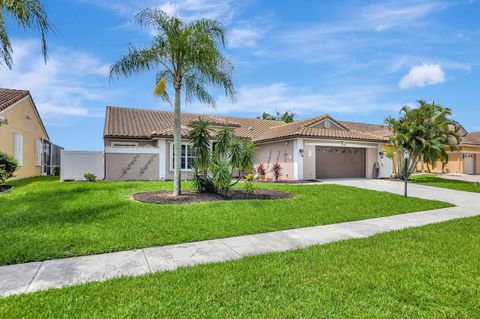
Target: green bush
[(8, 165), (215, 165), (202, 182), (90, 177), (249, 187)]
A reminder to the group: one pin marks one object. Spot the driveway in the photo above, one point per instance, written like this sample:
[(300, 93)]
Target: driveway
[(461, 177), (458, 198)]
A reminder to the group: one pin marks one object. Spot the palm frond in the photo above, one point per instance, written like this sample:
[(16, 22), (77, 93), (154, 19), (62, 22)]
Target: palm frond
[(29, 14)]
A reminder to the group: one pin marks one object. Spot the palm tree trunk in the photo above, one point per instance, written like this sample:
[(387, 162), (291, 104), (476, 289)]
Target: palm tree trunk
[(177, 145)]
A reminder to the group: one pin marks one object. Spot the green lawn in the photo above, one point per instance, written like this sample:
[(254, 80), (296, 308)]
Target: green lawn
[(432, 180), (428, 272), (42, 218)]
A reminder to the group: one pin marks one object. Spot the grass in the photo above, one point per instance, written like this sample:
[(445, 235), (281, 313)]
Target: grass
[(427, 272), (42, 218), (432, 180)]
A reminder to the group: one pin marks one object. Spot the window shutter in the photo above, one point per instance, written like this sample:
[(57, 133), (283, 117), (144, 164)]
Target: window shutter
[(18, 148)]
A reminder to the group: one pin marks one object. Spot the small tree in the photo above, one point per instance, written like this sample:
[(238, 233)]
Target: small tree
[(214, 169), (200, 136), (8, 166), (424, 131)]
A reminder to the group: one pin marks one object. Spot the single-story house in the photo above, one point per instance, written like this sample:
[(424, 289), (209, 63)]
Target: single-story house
[(464, 160), (23, 135), (139, 145)]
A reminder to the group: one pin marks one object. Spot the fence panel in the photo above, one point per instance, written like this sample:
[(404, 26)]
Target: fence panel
[(74, 164)]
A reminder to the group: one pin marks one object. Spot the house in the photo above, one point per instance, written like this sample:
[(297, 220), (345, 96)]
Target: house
[(464, 160), (139, 145), (23, 135)]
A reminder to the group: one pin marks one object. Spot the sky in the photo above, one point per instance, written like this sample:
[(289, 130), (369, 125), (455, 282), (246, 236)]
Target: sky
[(355, 60)]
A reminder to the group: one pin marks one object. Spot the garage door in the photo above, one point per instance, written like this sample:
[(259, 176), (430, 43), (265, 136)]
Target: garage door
[(339, 162), (469, 163)]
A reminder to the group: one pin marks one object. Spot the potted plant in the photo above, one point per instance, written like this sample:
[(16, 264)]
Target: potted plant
[(261, 171)]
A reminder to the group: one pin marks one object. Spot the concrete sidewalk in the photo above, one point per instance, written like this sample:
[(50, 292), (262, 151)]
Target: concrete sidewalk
[(29, 277)]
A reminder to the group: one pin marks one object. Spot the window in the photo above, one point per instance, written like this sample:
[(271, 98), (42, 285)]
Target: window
[(18, 148), (187, 158)]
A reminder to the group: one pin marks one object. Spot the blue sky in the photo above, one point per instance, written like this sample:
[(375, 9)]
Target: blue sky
[(356, 60)]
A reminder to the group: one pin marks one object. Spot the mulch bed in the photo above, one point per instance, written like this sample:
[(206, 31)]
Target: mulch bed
[(166, 197), (289, 181)]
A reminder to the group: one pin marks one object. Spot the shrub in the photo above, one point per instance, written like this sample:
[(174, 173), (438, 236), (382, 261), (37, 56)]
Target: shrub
[(202, 182), (214, 167), (261, 169), (90, 177), (8, 165), (249, 187), (249, 177), (277, 171)]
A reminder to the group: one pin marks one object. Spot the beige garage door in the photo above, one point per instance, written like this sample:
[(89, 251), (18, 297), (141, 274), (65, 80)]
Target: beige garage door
[(339, 162), (469, 163)]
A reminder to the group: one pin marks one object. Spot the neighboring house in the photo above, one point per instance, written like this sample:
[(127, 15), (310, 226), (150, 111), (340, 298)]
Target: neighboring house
[(465, 159), (139, 145), (23, 135)]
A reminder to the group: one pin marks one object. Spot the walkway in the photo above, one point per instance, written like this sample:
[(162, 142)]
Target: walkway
[(29, 277)]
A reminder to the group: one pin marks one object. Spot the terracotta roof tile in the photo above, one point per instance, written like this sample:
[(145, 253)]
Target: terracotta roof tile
[(8, 97), (141, 123), (472, 138)]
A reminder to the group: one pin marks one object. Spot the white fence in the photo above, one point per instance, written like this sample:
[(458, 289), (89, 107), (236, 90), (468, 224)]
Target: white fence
[(74, 164)]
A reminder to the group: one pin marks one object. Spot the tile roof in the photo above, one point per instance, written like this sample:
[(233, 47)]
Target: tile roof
[(8, 97), (141, 123), (472, 138)]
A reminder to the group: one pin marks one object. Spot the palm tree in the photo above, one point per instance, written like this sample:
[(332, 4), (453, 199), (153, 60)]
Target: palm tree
[(426, 131), (186, 56), (29, 14), (287, 117)]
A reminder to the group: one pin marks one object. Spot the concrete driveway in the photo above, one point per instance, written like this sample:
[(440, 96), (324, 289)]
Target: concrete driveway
[(462, 177)]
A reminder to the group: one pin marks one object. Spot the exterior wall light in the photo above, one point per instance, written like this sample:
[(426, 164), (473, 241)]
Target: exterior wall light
[(302, 151)]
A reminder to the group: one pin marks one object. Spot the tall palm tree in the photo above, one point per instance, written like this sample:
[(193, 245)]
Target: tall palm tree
[(186, 56), (29, 14)]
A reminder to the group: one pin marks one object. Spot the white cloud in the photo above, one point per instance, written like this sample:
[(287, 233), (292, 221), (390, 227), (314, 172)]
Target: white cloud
[(243, 37), (422, 75), (301, 100), (392, 14), (186, 9), (60, 88)]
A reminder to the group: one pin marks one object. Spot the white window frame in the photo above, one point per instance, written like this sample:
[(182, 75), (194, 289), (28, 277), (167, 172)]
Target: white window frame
[(124, 144), (187, 145), (18, 148)]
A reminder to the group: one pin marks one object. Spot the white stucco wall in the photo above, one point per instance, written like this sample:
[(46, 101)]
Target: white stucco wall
[(74, 164)]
